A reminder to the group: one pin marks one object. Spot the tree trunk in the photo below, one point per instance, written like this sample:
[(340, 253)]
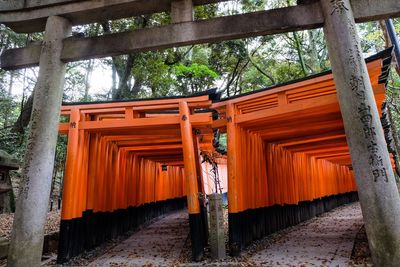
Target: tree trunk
[(30, 216), (300, 53), (315, 66), (379, 199), (25, 115), (124, 75), (122, 69), (10, 89), (88, 74), (114, 80)]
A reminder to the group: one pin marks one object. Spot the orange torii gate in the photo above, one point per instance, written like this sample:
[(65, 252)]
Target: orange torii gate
[(288, 158), (125, 166), (129, 161), (379, 197)]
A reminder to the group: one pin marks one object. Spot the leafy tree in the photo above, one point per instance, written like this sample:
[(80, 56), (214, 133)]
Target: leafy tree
[(194, 77)]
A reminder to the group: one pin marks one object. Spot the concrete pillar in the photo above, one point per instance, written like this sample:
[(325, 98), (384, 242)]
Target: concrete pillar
[(217, 235), (181, 11), (376, 184), (31, 209)]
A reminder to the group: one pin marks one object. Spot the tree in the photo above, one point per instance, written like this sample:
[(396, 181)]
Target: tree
[(194, 77)]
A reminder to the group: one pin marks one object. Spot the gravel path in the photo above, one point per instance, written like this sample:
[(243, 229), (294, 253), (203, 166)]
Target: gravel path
[(323, 241), (159, 244)]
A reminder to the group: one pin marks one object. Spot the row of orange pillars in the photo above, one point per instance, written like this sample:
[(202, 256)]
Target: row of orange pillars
[(131, 161)]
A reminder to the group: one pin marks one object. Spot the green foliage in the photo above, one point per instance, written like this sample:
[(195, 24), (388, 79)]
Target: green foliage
[(223, 142), (13, 143), (156, 75), (196, 77), (205, 11), (61, 152)]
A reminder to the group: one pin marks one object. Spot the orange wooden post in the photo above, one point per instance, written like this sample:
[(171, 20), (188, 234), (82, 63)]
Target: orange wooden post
[(70, 182), (200, 183), (92, 168), (235, 239), (82, 172), (200, 178), (232, 165), (189, 158)]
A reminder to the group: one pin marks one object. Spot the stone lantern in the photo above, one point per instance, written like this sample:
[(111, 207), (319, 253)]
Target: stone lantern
[(7, 164)]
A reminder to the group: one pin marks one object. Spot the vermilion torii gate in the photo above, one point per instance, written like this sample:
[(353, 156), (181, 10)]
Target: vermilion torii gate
[(130, 161), (371, 163)]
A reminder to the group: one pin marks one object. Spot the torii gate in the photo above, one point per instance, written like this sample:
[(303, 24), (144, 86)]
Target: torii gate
[(378, 197)]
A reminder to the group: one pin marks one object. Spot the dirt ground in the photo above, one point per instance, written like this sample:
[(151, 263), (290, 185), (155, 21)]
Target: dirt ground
[(361, 255), (6, 221), (52, 226)]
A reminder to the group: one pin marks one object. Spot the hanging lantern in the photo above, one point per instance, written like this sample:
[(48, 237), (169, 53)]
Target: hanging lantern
[(164, 167)]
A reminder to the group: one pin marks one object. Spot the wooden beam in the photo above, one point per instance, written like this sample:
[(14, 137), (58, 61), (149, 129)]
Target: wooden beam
[(188, 33), (309, 104), (155, 149), (311, 139), (31, 16), (196, 120)]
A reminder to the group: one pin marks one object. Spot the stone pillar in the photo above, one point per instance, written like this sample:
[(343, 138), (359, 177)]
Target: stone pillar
[(217, 235), (181, 11), (31, 209), (376, 184)]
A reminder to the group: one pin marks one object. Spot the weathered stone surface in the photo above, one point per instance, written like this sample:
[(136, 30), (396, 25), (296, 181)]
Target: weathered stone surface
[(181, 11), (217, 235), (212, 30), (187, 33), (11, 5), (6, 5), (377, 190), (7, 161), (50, 245), (3, 248), (33, 18), (31, 209)]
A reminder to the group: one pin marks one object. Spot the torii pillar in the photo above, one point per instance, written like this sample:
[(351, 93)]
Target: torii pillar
[(33, 201), (196, 224), (379, 199)]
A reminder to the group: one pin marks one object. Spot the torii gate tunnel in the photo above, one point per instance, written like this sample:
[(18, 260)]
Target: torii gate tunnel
[(288, 160)]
